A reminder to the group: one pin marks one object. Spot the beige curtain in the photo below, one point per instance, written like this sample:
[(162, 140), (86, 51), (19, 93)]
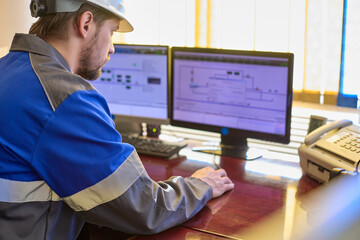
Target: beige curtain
[(311, 29)]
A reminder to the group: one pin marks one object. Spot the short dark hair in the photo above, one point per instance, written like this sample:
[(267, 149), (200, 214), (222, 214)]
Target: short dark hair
[(57, 24)]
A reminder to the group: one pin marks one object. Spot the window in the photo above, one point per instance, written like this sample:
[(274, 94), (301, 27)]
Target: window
[(312, 30), (349, 78)]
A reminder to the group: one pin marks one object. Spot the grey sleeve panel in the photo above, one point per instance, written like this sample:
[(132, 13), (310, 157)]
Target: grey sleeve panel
[(51, 68), (149, 207), (57, 81), (38, 220)]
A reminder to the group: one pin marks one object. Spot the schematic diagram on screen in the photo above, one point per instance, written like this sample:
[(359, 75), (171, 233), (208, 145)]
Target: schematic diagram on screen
[(232, 86)]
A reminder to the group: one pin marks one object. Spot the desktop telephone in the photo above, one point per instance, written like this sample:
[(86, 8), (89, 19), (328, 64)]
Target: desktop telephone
[(329, 148)]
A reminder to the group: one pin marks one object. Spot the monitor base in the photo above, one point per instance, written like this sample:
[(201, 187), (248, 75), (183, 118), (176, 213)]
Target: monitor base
[(233, 146), (243, 153), (247, 154)]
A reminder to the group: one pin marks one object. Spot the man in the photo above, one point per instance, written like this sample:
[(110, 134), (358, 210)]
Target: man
[(61, 160)]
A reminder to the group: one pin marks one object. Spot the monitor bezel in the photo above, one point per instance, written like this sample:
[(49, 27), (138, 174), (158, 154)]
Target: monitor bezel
[(233, 131), (121, 118)]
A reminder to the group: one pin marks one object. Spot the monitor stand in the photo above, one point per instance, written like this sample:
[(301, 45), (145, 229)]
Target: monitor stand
[(232, 146), (137, 128), (128, 127)]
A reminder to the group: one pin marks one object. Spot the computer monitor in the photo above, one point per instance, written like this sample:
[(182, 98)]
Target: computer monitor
[(135, 85), (239, 94)]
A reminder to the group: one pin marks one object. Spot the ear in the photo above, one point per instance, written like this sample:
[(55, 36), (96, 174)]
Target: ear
[(85, 23)]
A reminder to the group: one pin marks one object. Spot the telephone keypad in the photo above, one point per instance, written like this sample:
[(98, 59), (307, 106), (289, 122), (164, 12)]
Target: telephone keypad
[(347, 140)]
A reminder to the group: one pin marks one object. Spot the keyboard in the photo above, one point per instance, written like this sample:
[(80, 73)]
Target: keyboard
[(153, 146)]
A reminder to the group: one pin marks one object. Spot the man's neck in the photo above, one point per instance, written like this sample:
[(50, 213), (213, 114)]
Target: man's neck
[(69, 49)]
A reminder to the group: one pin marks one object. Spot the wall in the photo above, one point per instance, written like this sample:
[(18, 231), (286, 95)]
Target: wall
[(15, 17)]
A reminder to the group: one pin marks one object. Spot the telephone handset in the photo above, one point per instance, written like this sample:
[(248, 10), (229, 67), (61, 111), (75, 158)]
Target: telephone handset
[(317, 133), (332, 146)]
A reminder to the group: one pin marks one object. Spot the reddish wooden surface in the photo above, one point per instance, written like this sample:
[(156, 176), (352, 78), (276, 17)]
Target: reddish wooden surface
[(173, 233), (254, 197)]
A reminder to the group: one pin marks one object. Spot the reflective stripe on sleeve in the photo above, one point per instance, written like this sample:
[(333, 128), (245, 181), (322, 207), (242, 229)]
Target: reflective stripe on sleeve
[(109, 188), (104, 191), (20, 192)]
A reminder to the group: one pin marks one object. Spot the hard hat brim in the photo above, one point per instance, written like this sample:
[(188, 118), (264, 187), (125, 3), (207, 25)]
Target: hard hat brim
[(125, 25)]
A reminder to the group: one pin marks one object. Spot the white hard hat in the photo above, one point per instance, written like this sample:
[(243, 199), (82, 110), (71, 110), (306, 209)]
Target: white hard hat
[(43, 7)]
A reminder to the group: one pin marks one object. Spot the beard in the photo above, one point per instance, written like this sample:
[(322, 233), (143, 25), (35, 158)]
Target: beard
[(89, 68)]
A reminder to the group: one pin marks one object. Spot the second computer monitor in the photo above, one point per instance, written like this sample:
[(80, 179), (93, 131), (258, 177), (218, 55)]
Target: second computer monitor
[(135, 84), (239, 94)]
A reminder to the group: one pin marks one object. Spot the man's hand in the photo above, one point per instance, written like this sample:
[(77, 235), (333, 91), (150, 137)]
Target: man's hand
[(217, 179)]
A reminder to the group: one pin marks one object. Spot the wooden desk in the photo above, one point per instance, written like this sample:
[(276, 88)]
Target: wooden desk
[(262, 187)]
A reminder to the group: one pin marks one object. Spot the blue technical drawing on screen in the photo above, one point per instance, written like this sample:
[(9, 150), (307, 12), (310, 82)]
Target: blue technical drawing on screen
[(135, 81), (241, 92)]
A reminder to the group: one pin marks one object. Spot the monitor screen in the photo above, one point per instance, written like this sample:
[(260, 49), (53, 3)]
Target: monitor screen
[(135, 83), (240, 94)]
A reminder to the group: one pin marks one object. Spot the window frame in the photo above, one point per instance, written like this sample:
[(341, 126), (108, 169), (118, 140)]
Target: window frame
[(345, 100)]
